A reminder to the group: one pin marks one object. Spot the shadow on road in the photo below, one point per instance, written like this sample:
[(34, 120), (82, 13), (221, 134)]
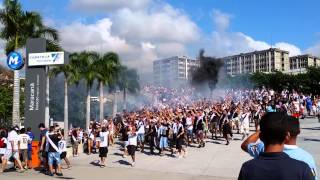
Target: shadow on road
[(122, 162), (95, 163), (314, 128), (65, 178), (309, 139)]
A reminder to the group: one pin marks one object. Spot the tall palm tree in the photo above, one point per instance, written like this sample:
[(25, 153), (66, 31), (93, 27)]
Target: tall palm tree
[(107, 71), (85, 66), (18, 26), (70, 77), (128, 81)]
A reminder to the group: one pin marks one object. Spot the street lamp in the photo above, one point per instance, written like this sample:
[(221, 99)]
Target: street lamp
[(115, 101)]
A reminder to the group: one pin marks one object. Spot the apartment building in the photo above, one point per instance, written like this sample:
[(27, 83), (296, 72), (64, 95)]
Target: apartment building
[(258, 61), (173, 71), (300, 63)]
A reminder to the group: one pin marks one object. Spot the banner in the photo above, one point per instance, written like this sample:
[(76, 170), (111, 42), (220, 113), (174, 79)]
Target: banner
[(46, 58)]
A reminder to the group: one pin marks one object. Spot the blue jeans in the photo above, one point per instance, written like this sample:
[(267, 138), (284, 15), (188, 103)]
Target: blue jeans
[(163, 142), (140, 138), (54, 156)]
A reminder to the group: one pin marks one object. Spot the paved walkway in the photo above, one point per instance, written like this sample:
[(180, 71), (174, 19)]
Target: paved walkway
[(215, 161)]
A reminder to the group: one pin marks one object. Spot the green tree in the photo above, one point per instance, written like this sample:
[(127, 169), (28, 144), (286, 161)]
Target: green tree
[(18, 26), (128, 81), (70, 77), (85, 68), (107, 67)]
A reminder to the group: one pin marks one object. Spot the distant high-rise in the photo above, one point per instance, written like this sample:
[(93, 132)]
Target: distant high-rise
[(173, 71)]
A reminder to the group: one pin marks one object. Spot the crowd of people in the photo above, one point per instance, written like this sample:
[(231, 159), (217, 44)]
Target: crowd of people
[(175, 121)]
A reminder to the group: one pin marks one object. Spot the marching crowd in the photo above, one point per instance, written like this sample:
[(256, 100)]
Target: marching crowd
[(176, 121)]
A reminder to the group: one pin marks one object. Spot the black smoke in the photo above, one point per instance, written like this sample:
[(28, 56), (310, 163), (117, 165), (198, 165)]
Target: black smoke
[(207, 72)]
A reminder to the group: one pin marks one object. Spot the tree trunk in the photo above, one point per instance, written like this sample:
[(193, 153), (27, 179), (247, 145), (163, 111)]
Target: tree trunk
[(115, 105), (16, 99), (124, 99), (88, 107), (66, 113), (101, 102)]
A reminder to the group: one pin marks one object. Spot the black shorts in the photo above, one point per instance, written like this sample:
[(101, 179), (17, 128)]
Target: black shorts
[(131, 150), (103, 151), (179, 143), (63, 155)]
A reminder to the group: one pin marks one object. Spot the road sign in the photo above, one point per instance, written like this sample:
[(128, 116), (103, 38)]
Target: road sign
[(15, 61), (46, 58)]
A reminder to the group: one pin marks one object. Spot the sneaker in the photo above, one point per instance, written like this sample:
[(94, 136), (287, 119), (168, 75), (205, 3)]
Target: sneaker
[(50, 174), (21, 170), (133, 164), (59, 174)]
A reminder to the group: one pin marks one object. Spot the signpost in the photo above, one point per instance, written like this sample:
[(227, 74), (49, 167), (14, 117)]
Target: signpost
[(37, 82), (15, 62)]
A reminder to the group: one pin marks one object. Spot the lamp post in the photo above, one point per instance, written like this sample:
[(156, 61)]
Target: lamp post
[(115, 102)]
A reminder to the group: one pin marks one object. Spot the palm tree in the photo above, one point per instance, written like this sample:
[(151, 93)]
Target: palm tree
[(18, 26), (128, 82), (85, 66), (70, 77), (107, 71)]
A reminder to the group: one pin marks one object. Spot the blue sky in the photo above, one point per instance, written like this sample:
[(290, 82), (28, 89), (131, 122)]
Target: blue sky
[(294, 21), (144, 30)]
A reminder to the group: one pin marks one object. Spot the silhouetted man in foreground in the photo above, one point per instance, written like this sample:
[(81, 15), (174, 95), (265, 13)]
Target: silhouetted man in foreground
[(273, 163)]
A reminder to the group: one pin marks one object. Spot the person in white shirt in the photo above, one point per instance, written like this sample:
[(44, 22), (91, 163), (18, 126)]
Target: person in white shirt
[(104, 143), (189, 123), (62, 145), (24, 139), (12, 149), (132, 139), (141, 133), (244, 123)]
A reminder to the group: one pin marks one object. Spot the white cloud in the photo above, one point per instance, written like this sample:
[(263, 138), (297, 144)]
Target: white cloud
[(221, 20), (138, 35), (314, 50), (146, 46), (78, 37), (158, 24), (293, 50), (224, 43), (107, 5)]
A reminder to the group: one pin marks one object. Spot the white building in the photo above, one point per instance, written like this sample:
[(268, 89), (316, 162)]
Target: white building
[(266, 61), (173, 71)]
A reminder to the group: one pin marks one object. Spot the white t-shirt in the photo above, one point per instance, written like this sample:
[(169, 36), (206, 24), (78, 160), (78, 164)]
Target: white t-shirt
[(80, 135), (189, 123), (104, 137), (24, 140), (13, 137), (62, 145), (141, 129), (132, 139)]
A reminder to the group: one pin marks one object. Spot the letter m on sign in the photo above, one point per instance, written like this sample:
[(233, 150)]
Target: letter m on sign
[(13, 60)]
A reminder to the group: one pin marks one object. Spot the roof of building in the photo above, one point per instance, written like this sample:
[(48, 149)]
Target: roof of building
[(174, 57), (256, 52), (305, 55)]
